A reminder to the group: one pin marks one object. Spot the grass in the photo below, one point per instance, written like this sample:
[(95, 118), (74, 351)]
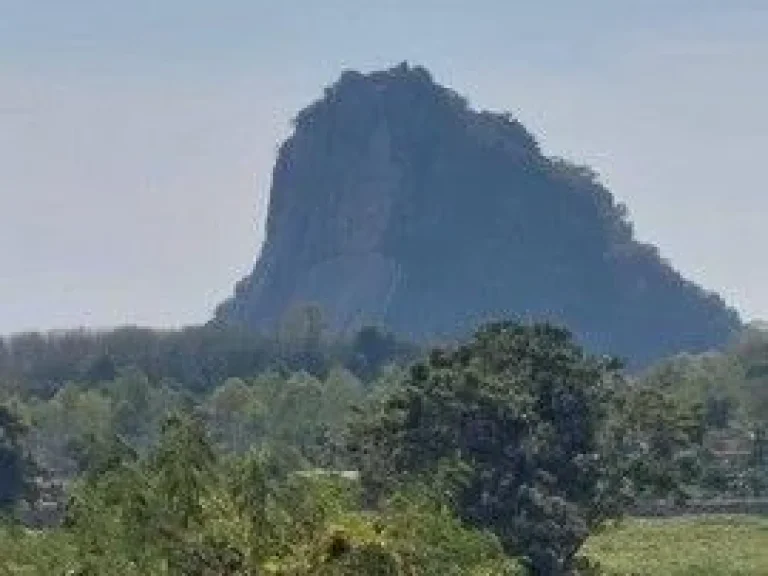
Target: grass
[(690, 546)]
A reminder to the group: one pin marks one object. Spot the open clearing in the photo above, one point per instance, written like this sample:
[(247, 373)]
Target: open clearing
[(689, 546)]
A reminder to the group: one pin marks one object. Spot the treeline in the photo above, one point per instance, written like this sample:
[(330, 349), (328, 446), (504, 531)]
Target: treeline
[(730, 390), (197, 358), (297, 415)]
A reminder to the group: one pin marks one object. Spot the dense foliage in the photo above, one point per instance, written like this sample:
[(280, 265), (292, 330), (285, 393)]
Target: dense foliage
[(499, 456), (731, 390), (184, 510), (197, 358), (534, 423), (16, 467)]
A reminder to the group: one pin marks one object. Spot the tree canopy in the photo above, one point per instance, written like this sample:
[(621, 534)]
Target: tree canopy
[(525, 424)]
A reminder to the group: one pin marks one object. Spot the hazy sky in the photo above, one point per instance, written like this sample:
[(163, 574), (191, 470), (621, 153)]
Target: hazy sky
[(137, 138)]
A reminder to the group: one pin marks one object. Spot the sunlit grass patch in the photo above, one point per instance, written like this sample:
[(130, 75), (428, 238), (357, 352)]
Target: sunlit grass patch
[(691, 546)]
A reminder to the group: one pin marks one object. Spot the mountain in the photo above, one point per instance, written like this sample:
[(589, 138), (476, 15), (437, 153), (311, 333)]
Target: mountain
[(394, 203)]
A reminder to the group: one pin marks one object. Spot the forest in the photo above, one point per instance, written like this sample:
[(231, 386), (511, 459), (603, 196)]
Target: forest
[(215, 451)]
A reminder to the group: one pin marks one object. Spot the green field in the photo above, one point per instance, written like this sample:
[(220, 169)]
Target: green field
[(696, 546)]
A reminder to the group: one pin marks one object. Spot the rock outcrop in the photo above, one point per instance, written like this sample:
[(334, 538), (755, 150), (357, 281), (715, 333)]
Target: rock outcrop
[(394, 203)]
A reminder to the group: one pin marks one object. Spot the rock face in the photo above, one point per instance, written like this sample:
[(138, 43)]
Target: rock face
[(393, 203)]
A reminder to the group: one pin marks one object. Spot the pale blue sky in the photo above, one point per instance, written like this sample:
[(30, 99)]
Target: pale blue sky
[(137, 138)]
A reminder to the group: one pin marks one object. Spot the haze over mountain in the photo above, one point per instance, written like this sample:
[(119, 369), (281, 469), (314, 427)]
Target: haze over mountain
[(395, 203)]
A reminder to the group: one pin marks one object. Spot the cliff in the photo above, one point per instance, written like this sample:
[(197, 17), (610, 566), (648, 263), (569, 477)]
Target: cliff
[(394, 203)]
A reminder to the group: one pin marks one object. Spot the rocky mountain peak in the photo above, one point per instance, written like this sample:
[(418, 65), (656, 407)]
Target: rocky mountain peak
[(394, 203)]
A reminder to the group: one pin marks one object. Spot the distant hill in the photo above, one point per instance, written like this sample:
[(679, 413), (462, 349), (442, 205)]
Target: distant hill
[(394, 203)]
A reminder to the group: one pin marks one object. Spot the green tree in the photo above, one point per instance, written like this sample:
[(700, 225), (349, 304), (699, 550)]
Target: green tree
[(130, 393), (16, 468), (236, 414), (527, 413), (183, 465), (301, 333), (371, 349), (654, 441)]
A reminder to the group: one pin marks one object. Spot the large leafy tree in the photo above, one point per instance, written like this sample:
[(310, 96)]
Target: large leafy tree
[(526, 418)]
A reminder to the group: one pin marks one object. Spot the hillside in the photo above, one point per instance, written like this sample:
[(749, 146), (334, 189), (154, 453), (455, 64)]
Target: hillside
[(395, 203)]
